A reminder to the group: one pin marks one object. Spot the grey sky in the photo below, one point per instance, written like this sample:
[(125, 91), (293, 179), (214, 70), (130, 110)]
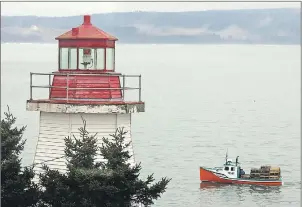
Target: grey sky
[(79, 8)]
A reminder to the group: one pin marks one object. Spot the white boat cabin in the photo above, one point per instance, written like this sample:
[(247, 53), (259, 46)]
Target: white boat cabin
[(231, 169)]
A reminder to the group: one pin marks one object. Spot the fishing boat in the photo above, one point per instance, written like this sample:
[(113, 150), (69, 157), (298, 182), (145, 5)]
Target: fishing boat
[(232, 173)]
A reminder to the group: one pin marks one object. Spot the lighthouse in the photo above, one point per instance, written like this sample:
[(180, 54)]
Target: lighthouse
[(84, 86)]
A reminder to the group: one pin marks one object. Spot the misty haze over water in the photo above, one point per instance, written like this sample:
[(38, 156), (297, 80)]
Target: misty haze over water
[(200, 100)]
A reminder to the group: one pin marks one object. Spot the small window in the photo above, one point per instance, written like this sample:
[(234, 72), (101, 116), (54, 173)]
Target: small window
[(109, 58), (100, 58), (232, 169), (226, 168), (72, 58), (68, 58), (64, 58)]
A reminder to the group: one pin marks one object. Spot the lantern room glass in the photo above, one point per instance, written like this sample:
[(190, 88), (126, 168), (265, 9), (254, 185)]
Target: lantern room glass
[(109, 58), (68, 58), (90, 57), (100, 58), (87, 58)]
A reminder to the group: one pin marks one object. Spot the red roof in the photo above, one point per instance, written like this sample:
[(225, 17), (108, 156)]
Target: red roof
[(86, 31)]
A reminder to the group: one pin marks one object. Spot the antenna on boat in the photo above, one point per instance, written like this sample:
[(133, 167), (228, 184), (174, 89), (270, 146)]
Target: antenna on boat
[(226, 156), (237, 160)]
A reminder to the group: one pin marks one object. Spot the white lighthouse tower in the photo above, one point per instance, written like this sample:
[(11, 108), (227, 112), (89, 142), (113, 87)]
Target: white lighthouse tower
[(84, 85)]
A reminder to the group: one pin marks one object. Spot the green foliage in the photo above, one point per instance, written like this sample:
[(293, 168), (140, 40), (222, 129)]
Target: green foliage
[(89, 183), (17, 188)]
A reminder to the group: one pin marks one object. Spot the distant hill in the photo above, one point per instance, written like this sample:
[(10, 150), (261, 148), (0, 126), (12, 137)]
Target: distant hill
[(258, 26)]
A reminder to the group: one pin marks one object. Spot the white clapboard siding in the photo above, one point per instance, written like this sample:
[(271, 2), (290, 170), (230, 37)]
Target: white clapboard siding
[(124, 120), (55, 127)]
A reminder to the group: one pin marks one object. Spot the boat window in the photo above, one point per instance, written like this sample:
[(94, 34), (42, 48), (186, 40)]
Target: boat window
[(232, 169), (226, 168)]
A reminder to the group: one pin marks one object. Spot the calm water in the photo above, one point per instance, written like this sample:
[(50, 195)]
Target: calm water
[(200, 100)]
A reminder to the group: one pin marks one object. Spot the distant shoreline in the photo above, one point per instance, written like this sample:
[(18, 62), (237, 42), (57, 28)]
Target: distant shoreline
[(171, 43), (250, 26)]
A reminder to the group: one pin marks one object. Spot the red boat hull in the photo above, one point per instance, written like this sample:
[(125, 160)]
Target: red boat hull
[(206, 175)]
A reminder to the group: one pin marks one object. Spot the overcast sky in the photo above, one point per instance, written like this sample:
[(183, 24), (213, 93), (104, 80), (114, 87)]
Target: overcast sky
[(80, 8)]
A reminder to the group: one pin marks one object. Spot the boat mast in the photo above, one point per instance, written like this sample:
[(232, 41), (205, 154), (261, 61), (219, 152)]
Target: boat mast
[(226, 157)]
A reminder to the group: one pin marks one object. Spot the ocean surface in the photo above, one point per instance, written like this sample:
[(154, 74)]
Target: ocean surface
[(200, 101)]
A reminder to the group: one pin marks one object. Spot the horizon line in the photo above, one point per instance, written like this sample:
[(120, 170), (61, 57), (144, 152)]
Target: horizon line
[(142, 11)]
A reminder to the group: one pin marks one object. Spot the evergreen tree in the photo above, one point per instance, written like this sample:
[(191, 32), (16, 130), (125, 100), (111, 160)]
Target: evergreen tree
[(89, 183), (17, 188)]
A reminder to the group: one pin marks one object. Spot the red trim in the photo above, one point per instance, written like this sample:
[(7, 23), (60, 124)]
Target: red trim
[(87, 43), (79, 102), (85, 71)]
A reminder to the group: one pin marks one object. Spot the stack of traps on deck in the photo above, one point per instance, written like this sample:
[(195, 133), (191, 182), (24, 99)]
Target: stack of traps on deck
[(266, 172)]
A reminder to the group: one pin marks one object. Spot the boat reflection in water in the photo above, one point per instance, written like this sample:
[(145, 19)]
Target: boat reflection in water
[(250, 188), (210, 185), (238, 195)]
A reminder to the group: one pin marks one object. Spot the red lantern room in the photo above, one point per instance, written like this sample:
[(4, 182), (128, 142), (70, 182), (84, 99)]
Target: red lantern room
[(86, 69), (86, 48)]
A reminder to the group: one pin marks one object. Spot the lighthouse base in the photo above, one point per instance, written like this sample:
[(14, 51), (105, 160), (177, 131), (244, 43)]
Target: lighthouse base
[(54, 127), (61, 106)]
